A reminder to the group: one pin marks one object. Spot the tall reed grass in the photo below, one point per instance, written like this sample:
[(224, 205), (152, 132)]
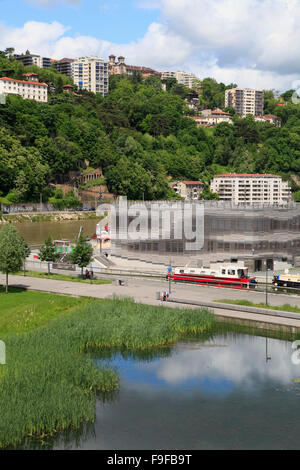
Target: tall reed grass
[(50, 383)]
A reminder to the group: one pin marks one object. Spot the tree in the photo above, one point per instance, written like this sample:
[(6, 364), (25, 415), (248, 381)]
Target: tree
[(48, 252), (82, 254), (13, 251)]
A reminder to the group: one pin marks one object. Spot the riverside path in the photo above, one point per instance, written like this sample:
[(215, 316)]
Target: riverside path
[(145, 291)]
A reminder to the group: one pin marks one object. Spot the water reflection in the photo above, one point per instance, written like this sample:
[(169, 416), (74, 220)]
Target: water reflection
[(220, 393)]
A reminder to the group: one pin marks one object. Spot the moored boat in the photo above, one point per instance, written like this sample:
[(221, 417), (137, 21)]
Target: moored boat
[(232, 275)]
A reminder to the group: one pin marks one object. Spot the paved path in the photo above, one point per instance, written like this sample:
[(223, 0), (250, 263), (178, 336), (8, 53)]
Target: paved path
[(145, 290)]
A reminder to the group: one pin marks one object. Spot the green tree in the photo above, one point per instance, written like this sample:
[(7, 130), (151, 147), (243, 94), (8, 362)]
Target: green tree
[(13, 251), (82, 254), (48, 252)]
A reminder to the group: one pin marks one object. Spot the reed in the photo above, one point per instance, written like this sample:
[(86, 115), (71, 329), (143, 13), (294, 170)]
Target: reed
[(50, 382)]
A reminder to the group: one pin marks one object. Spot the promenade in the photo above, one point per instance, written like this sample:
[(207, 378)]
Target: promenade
[(145, 291)]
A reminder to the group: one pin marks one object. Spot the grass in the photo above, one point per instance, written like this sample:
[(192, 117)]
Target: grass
[(49, 382), (23, 311), (61, 277), (247, 303)]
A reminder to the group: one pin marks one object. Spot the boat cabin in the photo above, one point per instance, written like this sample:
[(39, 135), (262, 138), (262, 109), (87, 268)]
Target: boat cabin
[(231, 270)]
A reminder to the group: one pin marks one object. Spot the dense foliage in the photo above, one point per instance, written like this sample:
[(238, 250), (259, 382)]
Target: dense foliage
[(141, 136)]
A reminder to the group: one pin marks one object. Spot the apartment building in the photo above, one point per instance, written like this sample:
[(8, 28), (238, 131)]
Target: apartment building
[(119, 67), (182, 78), (34, 59), (245, 101), (91, 74), (28, 89), (251, 189), (64, 66)]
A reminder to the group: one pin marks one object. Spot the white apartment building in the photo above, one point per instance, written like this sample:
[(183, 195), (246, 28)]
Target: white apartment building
[(182, 78), (245, 101), (251, 189), (91, 74), (28, 89)]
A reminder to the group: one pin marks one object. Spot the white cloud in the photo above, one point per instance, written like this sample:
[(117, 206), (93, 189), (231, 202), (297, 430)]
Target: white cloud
[(53, 3), (251, 42)]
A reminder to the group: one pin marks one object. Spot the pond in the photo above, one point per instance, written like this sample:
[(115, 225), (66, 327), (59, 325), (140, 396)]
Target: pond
[(233, 391)]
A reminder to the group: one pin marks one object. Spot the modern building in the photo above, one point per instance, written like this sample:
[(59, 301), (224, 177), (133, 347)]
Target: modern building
[(33, 59), (245, 101), (119, 67), (263, 237), (189, 190), (251, 189), (28, 89), (183, 78), (91, 74), (64, 66)]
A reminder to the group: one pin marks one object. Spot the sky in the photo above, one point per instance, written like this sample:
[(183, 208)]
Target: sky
[(253, 43)]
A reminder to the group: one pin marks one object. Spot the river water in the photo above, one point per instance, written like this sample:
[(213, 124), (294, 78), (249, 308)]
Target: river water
[(233, 391), (35, 233)]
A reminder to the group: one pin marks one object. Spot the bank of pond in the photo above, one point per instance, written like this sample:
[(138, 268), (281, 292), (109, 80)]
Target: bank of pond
[(58, 371)]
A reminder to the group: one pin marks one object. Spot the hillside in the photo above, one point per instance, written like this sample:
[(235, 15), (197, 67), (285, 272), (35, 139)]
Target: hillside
[(139, 135)]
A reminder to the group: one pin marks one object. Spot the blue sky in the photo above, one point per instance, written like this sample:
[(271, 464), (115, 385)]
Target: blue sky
[(120, 21), (253, 43)]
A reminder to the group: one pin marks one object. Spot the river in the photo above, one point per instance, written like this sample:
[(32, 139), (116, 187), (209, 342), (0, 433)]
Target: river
[(35, 233)]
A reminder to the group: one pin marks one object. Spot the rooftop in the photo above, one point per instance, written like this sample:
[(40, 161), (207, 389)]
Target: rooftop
[(27, 82)]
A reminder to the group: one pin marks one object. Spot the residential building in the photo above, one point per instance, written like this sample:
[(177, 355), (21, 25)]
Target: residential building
[(183, 78), (64, 66), (91, 74), (210, 118), (28, 89), (189, 190), (245, 101), (251, 189), (119, 67), (33, 59)]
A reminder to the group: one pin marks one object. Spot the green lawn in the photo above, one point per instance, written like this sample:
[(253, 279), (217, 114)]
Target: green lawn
[(62, 277), (247, 303), (22, 311)]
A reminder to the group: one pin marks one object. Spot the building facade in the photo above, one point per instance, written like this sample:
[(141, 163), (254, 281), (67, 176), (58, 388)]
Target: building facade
[(189, 190), (211, 118), (91, 74), (250, 189), (183, 78), (28, 89), (264, 237), (245, 101), (33, 59), (119, 67), (64, 66)]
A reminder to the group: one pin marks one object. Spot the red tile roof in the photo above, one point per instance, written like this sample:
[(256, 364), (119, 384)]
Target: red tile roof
[(27, 82), (248, 175), (193, 182), (29, 74)]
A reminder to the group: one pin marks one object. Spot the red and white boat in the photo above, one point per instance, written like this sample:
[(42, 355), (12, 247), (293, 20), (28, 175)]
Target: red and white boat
[(231, 275)]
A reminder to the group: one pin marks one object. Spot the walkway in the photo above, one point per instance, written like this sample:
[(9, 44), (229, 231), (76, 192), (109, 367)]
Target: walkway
[(145, 291)]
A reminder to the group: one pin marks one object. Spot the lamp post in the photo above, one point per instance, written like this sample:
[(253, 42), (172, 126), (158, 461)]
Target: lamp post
[(266, 285)]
